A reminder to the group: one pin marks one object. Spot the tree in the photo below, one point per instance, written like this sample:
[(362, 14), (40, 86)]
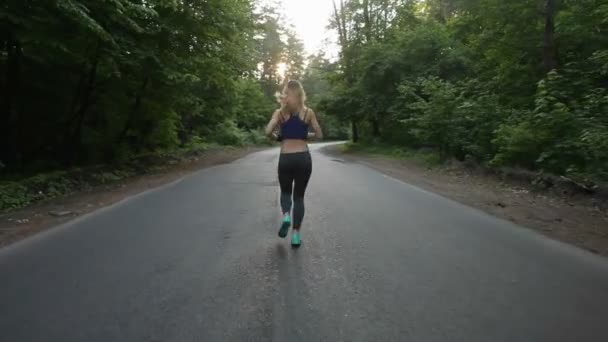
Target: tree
[(294, 56), (270, 48), (85, 81), (500, 82), (549, 49)]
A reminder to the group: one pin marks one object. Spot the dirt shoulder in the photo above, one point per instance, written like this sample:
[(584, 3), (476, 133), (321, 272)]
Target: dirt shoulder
[(575, 219), (28, 221)]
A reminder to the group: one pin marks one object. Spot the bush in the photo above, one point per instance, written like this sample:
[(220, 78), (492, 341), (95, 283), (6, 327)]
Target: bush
[(40, 187), (257, 138), (566, 134), (227, 133)]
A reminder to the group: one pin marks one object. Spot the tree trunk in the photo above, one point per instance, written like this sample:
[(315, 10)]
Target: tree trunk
[(74, 137), (385, 8), (135, 110), (355, 131), (549, 48), (185, 133), (344, 22), (9, 123), (375, 127), (341, 30), (368, 22)]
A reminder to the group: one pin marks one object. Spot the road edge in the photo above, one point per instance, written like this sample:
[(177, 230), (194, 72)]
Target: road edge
[(142, 185), (558, 231)]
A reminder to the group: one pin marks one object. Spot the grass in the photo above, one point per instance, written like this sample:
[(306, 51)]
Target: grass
[(428, 158)]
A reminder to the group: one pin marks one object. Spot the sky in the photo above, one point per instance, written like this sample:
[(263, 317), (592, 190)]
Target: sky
[(310, 19)]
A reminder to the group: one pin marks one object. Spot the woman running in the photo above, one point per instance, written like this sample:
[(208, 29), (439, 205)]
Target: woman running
[(295, 163)]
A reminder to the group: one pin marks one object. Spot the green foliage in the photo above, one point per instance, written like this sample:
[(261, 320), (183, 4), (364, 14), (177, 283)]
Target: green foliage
[(322, 99), (333, 127), (270, 48), (87, 81), (252, 109), (458, 119), (425, 157), (470, 79), (294, 57), (565, 134), (257, 138), (431, 119), (518, 145), (17, 194), (227, 133), (21, 192)]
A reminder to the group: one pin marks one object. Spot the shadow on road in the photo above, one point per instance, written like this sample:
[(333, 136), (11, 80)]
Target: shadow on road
[(281, 251)]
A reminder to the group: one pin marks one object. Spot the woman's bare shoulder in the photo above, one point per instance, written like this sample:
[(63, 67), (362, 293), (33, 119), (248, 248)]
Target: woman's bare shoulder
[(310, 113)]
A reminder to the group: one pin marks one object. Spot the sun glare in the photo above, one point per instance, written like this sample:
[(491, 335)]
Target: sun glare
[(282, 69), (310, 19)]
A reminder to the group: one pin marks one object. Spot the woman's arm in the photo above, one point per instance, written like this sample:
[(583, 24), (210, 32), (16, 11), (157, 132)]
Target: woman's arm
[(318, 133), (272, 124)]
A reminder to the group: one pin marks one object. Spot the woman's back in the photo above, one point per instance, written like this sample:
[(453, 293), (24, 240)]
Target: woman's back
[(294, 132), (293, 120)]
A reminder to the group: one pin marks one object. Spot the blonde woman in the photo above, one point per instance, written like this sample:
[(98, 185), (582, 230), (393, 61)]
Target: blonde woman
[(295, 164)]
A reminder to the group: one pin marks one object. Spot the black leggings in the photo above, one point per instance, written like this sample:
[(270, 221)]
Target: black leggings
[(294, 173)]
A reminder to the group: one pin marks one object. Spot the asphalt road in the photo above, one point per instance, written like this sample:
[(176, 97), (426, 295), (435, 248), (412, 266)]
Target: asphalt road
[(200, 260)]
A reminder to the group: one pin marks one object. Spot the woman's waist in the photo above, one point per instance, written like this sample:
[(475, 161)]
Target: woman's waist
[(293, 145)]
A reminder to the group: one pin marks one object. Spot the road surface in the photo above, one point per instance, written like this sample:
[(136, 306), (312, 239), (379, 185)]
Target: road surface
[(200, 260)]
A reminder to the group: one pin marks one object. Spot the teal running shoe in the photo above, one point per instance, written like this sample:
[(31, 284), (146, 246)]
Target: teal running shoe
[(295, 239), (285, 226)]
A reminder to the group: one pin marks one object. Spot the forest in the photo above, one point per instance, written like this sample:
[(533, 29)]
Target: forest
[(519, 84), (87, 81)]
